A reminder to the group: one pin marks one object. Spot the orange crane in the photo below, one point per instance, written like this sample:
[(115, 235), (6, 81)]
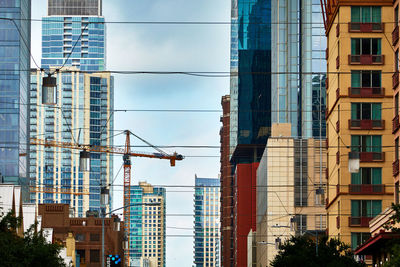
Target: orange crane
[(127, 154)]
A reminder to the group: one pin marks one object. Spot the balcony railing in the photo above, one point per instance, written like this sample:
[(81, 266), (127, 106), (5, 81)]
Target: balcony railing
[(395, 35), (395, 166), (395, 79), (337, 62), (337, 93), (359, 221), (337, 222), (337, 157), (337, 126), (366, 27), (395, 123), (366, 124), (366, 189), (371, 156), (366, 59), (366, 91)]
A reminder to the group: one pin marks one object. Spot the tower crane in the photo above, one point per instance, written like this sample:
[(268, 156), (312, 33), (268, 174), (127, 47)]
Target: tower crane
[(127, 154)]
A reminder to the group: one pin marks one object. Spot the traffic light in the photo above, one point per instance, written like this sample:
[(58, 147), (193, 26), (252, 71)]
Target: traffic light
[(114, 261)]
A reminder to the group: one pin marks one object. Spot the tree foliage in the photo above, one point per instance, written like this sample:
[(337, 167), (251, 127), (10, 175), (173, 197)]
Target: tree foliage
[(31, 249), (301, 251)]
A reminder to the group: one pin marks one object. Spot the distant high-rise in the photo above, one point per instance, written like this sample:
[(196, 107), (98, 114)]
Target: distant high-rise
[(299, 66), (15, 43), (76, 26), (147, 225), (83, 115), (206, 222)]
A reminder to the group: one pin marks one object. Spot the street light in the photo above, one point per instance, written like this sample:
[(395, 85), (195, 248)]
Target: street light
[(320, 192), (84, 161), (354, 162), (49, 90)]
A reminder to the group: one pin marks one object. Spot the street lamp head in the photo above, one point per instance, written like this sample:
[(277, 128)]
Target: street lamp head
[(104, 196), (84, 161), (49, 90)]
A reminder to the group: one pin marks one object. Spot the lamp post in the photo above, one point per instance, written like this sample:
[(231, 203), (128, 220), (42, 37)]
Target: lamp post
[(49, 90), (104, 214)]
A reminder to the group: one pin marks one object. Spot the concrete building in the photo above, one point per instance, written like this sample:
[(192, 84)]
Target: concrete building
[(15, 40), (226, 179), (206, 222), (147, 225), (298, 65), (82, 236), (289, 179), (73, 32), (83, 115), (359, 103)]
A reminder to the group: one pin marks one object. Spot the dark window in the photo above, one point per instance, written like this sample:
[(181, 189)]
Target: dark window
[(94, 255), (366, 111), (94, 237), (366, 14), (367, 176), (366, 143), (365, 79), (80, 237), (358, 238), (365, 46)]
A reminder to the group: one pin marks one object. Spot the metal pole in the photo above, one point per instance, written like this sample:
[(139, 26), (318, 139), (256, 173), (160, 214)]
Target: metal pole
[(102, 239)]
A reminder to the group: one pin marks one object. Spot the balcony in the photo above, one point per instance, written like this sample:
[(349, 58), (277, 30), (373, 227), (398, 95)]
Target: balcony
[(366, 92), (366, 189), (337, 62), (337, 126), (395, 124), (337, 222), (366, 27), (395, 79), (366, 59), (366, 124), (327, 53), (337, 30), (372, 156), (395, 35), (337, 157), (337, 93), (395, 166), (359, 221)]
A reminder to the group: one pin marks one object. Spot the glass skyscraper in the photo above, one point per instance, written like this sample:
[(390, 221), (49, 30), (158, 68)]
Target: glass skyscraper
[(250, 87), (77, 27), (299, 66), (147, 225), (14, 90), (83, 115), (206, 222)]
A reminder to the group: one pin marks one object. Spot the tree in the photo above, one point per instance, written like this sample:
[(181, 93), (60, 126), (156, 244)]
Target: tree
[(301, 251), (31, 249)]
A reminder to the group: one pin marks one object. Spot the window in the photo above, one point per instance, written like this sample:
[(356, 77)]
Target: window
[(366, 208), (94, 237), (94, 255), (365, 79), (367, 176), (366, 111), (365, 46), (366, 143), (358, 239), (366, 14), (80, 237)]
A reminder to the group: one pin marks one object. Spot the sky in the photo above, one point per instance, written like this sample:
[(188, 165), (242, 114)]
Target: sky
[(144, 47)]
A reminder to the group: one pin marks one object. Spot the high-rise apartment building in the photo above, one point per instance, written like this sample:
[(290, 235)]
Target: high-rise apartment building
[(290, 184), (83, 115), (15, 36), (298, 65), (147, 225), (206, 222), (396, 92), (359, 102), (250, 89), (226, 214), (74, 33)]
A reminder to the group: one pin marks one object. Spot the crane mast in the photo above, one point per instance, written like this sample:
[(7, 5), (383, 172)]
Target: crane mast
[(127, 195)]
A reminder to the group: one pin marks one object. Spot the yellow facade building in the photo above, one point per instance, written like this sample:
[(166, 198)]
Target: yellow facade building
[(359, 102)]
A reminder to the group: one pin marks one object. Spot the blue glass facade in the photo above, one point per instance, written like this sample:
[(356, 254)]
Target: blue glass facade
[(298, 95), (147, 224), (250, 89), (206, 222), (14, 90), (80, 41)]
